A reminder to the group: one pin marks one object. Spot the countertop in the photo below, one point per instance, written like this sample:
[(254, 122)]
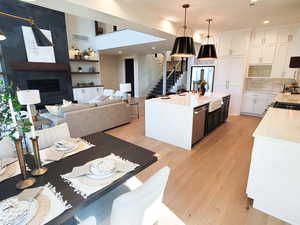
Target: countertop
[(295, 99), (283, 124), (190, 99)]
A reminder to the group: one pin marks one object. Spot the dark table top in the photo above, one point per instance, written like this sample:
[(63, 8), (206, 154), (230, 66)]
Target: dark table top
[(104, 145)]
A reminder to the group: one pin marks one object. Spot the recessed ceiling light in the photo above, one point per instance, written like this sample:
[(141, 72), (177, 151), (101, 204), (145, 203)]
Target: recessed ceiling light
[(153, 48), (120, 52), (266, 21)]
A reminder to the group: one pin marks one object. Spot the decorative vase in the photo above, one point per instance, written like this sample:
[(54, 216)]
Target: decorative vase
[(27, 181), (86, 57), (202, 90)]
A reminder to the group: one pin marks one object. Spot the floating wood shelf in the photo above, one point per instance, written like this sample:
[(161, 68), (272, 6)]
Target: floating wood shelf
[(85, 72), (83, 60), (37, 66), (88, 86)]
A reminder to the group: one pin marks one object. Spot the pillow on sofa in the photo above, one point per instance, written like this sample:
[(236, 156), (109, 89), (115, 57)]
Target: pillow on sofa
[(75, 107), (98, 99), (108, 92), (108, 101), (54, 109)]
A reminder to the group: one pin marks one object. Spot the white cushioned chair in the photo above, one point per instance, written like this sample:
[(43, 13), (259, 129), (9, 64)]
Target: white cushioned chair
[(129, 204), (7, 148), (47, 137)]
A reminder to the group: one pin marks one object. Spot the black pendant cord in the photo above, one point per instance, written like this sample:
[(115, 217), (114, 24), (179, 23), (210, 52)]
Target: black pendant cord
[(208, 30), (185, 6)]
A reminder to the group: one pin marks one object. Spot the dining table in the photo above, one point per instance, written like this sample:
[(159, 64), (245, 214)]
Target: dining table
[(104, 145)]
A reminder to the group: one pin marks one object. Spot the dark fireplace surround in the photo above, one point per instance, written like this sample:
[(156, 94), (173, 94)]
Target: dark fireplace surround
[(52, 79)]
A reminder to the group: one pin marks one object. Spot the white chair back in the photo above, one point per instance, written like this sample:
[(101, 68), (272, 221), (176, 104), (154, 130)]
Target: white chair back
[(108, 92), (142, 205), (47, 137), (7, 148)]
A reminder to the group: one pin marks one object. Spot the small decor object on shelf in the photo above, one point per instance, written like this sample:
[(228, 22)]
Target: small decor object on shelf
[(78, 54), (32, 97), (92, 69), (12, 123), (79, 69)]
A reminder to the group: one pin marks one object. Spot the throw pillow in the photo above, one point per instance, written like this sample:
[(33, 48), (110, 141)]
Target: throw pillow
[(54, 109), (66, 103)]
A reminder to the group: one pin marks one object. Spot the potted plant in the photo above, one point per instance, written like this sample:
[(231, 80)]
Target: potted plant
[(7, 127), (86, 54)]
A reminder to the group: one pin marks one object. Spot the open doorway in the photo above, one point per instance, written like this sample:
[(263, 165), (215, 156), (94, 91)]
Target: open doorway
[(129, 74)]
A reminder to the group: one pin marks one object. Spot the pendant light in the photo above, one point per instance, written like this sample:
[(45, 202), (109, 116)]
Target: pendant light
[(184, 46), (207, 51), (40, 38)]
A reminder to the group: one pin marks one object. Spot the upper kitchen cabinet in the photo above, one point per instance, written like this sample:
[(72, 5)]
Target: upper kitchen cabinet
[(234, 43), (263, 46)]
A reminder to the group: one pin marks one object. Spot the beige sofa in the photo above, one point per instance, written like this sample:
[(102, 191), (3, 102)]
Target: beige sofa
[(93, 119)]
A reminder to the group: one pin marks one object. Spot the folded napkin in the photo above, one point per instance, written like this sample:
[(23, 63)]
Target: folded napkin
[(80, 171), (29, 194), (52, 155), (6, 162)]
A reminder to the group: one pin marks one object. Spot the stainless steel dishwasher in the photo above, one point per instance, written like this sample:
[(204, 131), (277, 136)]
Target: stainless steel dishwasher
[(199, 123)]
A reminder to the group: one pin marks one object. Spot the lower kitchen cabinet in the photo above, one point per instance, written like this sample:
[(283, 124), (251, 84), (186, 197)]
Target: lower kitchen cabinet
[(256, 103), (217, 117)]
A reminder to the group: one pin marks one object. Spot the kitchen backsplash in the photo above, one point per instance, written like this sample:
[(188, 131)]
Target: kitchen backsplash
[(271, 84)]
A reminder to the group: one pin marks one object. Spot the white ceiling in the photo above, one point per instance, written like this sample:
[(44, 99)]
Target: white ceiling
[(227, 14)]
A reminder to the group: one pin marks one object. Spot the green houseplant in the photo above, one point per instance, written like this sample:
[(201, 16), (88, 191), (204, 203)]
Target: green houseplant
[(6, 123)]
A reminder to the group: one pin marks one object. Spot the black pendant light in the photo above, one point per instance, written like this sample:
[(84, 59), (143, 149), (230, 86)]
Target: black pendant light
[(40, 38), (207, 51), (184, 46)]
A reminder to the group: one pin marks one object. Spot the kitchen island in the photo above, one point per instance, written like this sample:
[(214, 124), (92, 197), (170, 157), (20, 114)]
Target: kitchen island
[(273, 181), (182, 120)]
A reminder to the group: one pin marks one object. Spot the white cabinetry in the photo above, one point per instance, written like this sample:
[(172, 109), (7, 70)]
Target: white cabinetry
[(229, 78), (257, 103), (262, 47), (83, 95), (234, 43)]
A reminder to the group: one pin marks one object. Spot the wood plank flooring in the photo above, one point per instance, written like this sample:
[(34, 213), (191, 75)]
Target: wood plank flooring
[(207, 185)]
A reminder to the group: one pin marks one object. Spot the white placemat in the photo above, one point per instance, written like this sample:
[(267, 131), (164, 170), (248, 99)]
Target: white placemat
[(11, 171), (58, 205), (86, 186), (82, 145)]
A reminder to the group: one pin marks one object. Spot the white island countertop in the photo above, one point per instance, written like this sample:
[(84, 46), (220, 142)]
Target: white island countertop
[(283, 124), (189, 99)]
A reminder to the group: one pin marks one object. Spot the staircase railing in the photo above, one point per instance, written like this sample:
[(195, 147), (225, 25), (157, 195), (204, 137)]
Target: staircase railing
[(174, 69)]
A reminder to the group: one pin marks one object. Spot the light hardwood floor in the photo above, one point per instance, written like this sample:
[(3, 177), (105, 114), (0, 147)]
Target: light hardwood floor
[(207, 185)]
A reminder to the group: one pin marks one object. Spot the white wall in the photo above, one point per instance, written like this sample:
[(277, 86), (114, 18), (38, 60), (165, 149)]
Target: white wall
[(80, 26), (110, 70), (86, 28), (150, 72)]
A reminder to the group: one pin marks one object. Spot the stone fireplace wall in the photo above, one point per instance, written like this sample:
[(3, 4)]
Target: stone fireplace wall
[(13, 48)]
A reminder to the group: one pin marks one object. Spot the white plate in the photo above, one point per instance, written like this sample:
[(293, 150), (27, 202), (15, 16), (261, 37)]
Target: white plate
[(32, 212), (108, 169), (70, 148), (98, 177)]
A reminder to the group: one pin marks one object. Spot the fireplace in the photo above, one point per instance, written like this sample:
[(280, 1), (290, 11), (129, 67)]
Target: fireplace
[(46, 85)]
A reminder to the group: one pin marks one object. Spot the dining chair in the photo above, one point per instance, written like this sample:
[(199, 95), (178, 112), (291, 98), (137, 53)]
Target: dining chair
[(7, 148), (48, 136), (129, 204)]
